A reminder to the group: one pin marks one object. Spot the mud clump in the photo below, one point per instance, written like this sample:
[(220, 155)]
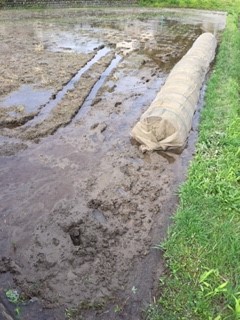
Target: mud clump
[(8, 265), (75, 234), (14, 116)]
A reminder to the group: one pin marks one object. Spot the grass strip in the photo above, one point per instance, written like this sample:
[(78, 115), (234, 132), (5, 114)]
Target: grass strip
[(226, 5), (203, 246)]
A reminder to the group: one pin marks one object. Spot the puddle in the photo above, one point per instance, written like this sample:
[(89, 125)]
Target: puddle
[(66, 41), (82, 208), (31, 99), (99, 216)]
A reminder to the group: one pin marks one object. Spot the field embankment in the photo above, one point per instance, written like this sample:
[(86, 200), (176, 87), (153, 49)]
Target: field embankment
[(228, 5), (203, 247)]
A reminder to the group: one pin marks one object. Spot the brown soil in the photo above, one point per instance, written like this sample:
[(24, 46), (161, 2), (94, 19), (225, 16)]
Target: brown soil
[(81, 208)]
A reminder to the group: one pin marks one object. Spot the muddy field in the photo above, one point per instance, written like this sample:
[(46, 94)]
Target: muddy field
[(82, 209)]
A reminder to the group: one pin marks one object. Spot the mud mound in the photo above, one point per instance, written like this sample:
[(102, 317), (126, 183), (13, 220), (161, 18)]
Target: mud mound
[(94, 246)]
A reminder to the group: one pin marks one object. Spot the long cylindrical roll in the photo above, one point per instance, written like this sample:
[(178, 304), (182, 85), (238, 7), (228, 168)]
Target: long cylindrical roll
[(166, 123)]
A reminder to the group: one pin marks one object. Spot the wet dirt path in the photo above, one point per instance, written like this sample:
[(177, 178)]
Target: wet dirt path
[(81, 207)]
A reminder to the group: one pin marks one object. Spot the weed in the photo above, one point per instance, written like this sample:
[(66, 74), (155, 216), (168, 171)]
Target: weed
[(134, 290), (75, 312), (14, 246), (71, 313), (118, 309), (17, 311), (13, 296)]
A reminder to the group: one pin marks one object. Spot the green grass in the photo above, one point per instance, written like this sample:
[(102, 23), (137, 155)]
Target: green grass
[(198, 4), (203, 246)]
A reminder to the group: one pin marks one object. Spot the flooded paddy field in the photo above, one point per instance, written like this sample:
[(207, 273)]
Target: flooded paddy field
[(81, 207)]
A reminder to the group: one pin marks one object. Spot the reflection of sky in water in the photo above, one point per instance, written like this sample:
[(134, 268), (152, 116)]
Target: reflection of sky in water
[(85, 36), (69, 41), (28, 97)]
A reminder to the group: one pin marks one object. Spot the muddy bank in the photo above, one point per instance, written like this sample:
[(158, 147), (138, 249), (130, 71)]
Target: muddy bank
[(82, 208)]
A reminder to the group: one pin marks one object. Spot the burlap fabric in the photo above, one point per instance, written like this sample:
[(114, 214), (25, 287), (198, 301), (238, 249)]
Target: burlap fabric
[(166, 123)]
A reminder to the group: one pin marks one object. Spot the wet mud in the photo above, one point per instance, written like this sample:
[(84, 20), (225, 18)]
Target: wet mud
[(82, 209)]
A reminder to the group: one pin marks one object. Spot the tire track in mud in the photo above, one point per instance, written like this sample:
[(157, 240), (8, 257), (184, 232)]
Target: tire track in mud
[(94, 91), (70, 101), (69, 86)]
